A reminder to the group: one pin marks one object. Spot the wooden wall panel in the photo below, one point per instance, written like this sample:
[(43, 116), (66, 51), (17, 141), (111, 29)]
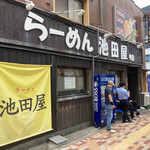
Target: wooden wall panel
[(24, 57), (73, 62), (76, 111), (73, 112)]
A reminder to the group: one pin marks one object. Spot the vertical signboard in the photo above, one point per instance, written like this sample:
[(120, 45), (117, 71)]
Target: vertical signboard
[(125, 26), (148, 28), (148, 83)]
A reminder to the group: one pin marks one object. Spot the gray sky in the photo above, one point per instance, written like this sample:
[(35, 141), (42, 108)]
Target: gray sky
[(142, 3)]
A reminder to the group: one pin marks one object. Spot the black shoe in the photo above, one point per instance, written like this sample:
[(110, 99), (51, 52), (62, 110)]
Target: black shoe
[(129, 120), (137, 113), (124, 122)]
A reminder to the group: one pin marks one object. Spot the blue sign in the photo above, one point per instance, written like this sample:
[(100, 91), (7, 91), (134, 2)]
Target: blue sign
[(148, 83), (100, 82)]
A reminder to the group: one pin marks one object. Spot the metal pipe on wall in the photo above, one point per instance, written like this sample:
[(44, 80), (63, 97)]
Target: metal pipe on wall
[(100, 13), (93, 69)]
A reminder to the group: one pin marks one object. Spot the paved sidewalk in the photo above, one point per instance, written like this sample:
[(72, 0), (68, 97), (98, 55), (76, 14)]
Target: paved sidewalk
[(129, 136)]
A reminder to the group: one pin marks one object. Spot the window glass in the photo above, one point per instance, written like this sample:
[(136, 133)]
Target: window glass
[(70, 81), (61, 5), (147, 58), (118, 77), (69, 5), (146, 38), (75, 5)]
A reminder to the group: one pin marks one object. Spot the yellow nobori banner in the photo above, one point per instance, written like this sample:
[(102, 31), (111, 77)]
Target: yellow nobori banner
[(25, 101)]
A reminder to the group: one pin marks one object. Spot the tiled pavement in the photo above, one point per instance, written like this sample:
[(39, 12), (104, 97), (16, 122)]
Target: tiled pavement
[(129, 136)]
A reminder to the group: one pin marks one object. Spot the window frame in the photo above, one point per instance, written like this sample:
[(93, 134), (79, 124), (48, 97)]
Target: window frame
[(82, 4), (83, 94), (147, 59)]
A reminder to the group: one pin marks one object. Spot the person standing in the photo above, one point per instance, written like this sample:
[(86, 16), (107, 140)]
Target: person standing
[(123, 98), (109, 105)]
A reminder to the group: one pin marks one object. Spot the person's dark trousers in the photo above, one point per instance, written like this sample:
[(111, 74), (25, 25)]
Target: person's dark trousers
[(125, 106), (134, 103), (135, 107), (131, 110)]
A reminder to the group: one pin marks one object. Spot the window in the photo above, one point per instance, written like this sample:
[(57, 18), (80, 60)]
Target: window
[(117, 77), (70, 82), (67, 5), (147, 58), (146, 38)]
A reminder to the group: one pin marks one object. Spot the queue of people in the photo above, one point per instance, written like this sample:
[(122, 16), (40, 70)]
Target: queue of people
[(124, 102)]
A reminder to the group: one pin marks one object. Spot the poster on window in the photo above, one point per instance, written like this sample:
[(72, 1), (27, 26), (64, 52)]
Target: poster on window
[(25, 101), (125, 26), (69, 83)]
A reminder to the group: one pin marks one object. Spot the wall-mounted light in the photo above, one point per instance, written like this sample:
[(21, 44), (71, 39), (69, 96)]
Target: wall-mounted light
[(126, 36), (140, 46), (80, 12), (107, 35), (29, 5)]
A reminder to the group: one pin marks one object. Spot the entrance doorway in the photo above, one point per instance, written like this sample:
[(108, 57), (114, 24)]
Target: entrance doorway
[(118, 75), (133, 84)]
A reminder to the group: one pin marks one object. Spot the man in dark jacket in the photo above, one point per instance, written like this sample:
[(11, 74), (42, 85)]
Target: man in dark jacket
[(109, 105)]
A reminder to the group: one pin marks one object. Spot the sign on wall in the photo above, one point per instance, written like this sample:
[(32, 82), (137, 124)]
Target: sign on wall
[(125, 26), (73, 39), (50, 33), (25, 101), (70, 83)]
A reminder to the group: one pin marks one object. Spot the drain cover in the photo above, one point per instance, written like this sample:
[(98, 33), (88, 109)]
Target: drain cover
[(58, 139)]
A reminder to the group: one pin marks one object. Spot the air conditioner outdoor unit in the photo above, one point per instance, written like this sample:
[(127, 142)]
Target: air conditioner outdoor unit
[(148, 100), (144, 99)]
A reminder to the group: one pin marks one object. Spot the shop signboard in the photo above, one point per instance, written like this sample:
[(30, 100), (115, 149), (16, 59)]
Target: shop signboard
[(125, 26), (148, 83), (49, 32), (25, 101)]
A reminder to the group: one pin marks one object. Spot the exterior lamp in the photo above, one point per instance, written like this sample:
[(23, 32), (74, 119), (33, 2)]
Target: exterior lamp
[(80, 12), (140, 46), (107, 35), (29, 5), (126, 36)]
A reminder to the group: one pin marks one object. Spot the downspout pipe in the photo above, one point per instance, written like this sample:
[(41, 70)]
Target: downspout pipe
[(93, 70), (101, 13)]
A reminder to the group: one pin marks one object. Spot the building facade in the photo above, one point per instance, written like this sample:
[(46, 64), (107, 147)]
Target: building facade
[(77, 49), (146, 41)]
